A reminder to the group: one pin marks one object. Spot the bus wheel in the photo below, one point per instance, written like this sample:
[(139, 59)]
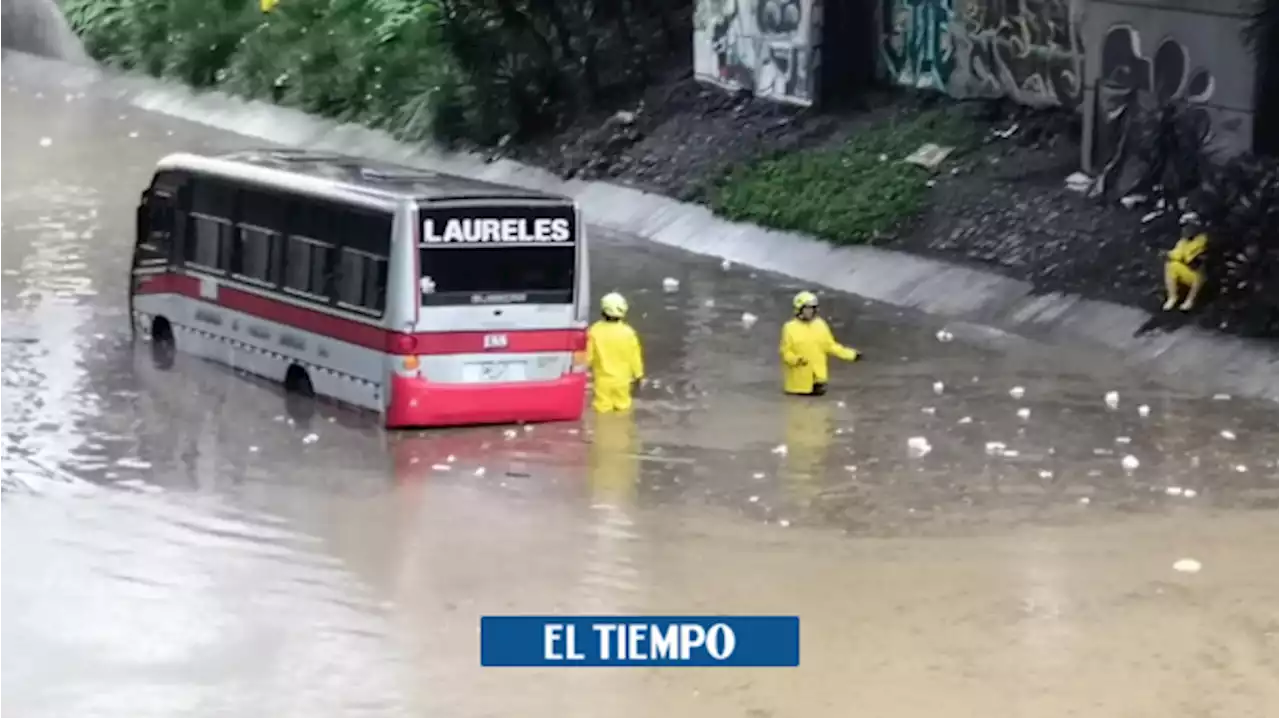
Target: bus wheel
[(163, 347), (299, 394)]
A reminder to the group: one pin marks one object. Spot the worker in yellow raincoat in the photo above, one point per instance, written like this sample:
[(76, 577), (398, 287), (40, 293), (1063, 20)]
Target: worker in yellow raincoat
[(614, 355), (1182, 267), (806, 342)]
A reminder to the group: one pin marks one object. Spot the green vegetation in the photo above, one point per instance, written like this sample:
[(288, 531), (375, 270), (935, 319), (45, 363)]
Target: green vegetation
[(848, 194), (479, 70)]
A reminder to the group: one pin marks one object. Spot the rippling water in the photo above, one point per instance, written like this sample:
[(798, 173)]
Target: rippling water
[(175, 546)]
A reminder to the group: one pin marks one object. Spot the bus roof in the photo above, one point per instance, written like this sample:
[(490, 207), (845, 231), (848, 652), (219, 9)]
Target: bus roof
[(386, 180)]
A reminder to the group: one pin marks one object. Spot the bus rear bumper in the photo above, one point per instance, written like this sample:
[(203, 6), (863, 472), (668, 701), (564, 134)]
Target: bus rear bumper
[(415, 402)]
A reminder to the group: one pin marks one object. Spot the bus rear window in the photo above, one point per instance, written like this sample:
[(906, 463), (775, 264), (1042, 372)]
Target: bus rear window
[(497, 275)]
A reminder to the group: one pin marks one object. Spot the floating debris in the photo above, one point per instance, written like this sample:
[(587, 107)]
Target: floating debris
[(995, 448), (310, 439), (1173, 490), (670, 284), (918, 446), (965, 420), (840, 404), (1186, 565), (528, 428), (1017, 392), (46, 141), (753, 499), (784, 523), (929, 410), (944, 336), (1241, 469), (1189, 493), (1144, 411), (726, 264), (748, 319), (1010, 453), (133, 463), (441, 467), (780, 449), (758, 475), (1123, 440), (1024, 413), (1046, 474), (1084, 500), (253, 449), (939, 387), (133, 135), (1222, 397), (1103, 452), (450, 459), (1228, 434), (1130, 462), (1112, 399), (479, 471), (509, 433), (709, 303)]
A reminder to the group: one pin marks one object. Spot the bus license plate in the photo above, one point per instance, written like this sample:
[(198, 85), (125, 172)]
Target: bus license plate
[(493, 371)]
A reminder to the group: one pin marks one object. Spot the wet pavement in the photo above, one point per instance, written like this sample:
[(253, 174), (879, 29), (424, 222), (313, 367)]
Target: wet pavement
[(173, 546)]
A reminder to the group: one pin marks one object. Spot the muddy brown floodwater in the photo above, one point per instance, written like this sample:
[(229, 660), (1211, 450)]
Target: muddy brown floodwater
[(173, 547)]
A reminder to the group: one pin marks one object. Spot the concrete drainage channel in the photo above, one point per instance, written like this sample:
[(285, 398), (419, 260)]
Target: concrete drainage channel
[(954, 293)]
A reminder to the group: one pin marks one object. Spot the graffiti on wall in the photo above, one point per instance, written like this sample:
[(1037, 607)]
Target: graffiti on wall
[(1028, 50), (1130, 81), (769, 47), (915, 43)]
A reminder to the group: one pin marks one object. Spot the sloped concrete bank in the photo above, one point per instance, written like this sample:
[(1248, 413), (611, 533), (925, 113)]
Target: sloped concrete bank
[(1198, 358)]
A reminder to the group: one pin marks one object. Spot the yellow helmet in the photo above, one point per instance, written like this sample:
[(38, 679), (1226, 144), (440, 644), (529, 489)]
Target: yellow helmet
[(804, 299), (613, 305)]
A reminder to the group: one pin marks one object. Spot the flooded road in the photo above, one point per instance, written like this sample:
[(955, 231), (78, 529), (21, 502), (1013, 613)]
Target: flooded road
[(172, 545)]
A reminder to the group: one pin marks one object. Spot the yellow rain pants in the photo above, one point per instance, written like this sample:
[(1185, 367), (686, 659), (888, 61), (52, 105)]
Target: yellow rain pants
[(616, 361), (804, 349)]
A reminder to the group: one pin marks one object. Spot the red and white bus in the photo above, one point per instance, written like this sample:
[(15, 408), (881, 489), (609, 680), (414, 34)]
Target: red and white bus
[(432, 299)]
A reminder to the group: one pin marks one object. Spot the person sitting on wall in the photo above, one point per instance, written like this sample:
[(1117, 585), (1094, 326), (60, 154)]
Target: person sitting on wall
[(1183, 265)]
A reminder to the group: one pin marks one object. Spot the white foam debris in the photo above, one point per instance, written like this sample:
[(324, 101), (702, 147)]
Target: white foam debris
[(726, 264), (1144, 411), (1079, 182), (784, 523), (1046, 474), (965, 420), (929, 410), (1151, 216), (1173, 490), (758, 475), (918, 446), (528, 428), (1123, 440), (1241, 469), (753, 499), (840, 404), (1228, 434), (780, 449), (253, 449), (1132, 200), (1024, 413), (479, 471), (1187, 565), (1189, 493), (995, 448), (450, 458), (748, 319), (509, 434), (441, 467), (130, 462), (670, 284), (310, 439), (1084, 500), (939, 387), (1130, 462), (46, 141), (944, 336), (851, 467), (1112, 399), (1017, 392), (1222, 397), (709, 303), (133, 135)]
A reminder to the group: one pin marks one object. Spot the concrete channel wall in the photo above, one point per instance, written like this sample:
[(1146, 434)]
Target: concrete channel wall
[(962, 295)]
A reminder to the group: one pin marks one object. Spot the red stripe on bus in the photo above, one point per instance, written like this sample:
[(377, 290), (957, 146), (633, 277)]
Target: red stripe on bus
[(359, 333)]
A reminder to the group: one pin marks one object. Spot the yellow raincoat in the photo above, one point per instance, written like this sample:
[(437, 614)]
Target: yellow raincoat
[(804, 348), (1180, 269), (616, 361)]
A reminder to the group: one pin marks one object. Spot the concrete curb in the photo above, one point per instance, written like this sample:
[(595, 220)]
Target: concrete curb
[(1215, 362)]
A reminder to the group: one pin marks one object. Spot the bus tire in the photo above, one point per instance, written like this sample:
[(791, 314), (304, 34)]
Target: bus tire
[(163, 346), (299, 394)]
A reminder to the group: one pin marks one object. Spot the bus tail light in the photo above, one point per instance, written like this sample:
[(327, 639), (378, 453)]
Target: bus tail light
[(404, 344), (410, 363), (579, 362)]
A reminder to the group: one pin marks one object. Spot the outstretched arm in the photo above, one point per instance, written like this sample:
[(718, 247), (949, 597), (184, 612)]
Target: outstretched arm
[(835, 348)]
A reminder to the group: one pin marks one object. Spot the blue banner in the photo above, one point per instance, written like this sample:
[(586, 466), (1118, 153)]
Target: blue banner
[(737, 641)]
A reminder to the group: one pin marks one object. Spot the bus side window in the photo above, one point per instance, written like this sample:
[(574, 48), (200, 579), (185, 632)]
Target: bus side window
[(362, 270), (209, 240), (260, 238)]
